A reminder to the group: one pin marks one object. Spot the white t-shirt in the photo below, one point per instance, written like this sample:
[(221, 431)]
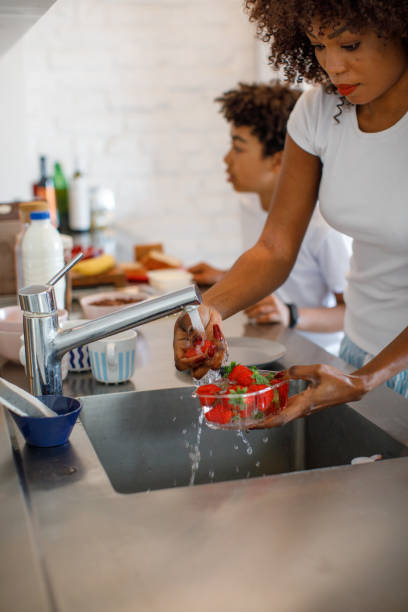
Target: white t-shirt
[(364, 194), (320, 268)]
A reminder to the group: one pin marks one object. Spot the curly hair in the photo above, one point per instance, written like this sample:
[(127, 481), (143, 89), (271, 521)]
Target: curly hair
[(283, 25), (265, 108)]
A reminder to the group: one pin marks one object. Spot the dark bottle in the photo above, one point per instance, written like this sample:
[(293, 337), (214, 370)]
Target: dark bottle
[(61, 193), (45, 190)]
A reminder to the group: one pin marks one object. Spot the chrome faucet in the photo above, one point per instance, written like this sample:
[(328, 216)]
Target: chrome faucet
[(46, 343)]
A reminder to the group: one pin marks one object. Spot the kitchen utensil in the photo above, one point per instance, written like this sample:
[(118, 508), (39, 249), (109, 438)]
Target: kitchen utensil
[(54, 431), (21, 402)]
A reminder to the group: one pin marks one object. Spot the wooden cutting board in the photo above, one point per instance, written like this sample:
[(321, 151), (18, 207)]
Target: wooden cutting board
[(115, 277)]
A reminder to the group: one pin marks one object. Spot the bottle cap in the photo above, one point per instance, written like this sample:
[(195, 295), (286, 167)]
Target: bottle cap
[(26, 208), (39, 214)]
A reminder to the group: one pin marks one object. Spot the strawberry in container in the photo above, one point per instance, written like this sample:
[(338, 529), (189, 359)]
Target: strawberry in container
[(243, 397)]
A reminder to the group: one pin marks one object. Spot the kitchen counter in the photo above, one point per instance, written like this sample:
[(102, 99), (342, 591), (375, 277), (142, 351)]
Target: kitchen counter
[(327, 539)]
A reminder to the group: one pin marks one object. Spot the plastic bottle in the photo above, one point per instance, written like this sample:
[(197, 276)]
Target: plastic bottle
[(43, 254), (61, 193), (24, 210), (79, 203)]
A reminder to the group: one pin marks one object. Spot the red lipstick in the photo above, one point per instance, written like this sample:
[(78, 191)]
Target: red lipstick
[(345, 90)]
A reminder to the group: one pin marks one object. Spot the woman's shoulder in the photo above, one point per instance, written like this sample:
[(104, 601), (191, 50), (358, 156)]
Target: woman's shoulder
[(312, 118)]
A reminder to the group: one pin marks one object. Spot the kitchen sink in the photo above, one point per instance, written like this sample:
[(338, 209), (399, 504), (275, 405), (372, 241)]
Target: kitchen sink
[(156, 440)]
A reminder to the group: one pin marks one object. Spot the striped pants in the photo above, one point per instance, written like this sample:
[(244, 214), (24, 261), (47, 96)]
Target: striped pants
[(354, 355)]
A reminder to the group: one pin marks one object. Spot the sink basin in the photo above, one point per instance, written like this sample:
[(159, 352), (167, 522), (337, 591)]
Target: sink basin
[(155, 440)]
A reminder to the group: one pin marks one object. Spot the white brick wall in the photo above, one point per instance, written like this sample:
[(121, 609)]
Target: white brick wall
[(130, 85)]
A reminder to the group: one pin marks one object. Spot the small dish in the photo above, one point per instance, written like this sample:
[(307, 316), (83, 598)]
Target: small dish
[(50, 431), (227, 404), (11, 328), (170, 279), (100, 304)]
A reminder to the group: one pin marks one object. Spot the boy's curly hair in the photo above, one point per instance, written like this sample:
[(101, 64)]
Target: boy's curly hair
[(284, 23), (265, 108)]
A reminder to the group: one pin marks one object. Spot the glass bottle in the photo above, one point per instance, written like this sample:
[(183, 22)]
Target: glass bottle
[(61, 193)]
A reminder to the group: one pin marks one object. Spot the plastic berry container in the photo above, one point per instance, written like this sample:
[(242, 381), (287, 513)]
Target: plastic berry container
[(228, 404)]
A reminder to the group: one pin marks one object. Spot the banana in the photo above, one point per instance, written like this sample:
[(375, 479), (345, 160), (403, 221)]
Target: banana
[(95, 265)]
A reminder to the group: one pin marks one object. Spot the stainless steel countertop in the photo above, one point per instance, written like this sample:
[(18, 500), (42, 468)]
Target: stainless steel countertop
[(331, 539)]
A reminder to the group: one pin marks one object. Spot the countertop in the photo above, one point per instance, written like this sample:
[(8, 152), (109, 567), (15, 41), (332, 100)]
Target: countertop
[(326, 539)]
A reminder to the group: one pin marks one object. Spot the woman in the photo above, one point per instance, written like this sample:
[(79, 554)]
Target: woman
[(347, 146)]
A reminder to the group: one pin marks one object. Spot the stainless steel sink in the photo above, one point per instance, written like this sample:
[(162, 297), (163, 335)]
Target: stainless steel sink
[(153, 440)]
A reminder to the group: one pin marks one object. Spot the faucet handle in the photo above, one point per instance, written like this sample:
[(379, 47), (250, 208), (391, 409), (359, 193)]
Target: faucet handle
[(65, 269)]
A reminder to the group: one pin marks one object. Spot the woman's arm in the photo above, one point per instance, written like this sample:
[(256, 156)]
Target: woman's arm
[(266, 266)]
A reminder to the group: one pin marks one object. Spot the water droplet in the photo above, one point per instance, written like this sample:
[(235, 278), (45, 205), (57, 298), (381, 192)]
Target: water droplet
[(236, 446), (265, 439), (148, 490), (211, 475), (184, 432), (211, 452), (236, 469), (248, 474), (258, 463), (174, 419), (249, 450)]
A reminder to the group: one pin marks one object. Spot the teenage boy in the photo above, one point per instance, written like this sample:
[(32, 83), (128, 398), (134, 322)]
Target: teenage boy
[(311, 299)]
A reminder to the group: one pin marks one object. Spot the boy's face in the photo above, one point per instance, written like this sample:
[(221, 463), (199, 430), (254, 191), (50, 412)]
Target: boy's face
[(247, 168)]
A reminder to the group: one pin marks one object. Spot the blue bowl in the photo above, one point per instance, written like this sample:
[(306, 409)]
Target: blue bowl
[(50, 431)]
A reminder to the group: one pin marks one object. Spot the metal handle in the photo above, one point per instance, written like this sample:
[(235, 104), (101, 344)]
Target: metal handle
[(65, 269)]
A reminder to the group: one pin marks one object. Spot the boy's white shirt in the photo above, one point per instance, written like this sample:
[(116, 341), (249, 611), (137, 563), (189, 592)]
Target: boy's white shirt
[(320, 269)]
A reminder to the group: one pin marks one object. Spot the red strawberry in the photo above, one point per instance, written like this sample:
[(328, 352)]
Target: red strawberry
[(242, 375), (283, 395), (264, 400), (208, 347), (207, 390), (190, 352), (219, 414)]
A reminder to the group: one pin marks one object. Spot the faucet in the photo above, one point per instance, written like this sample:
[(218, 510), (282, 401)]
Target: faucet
[(45, 343)]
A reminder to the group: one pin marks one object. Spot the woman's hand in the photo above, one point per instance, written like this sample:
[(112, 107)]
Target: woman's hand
[(269, 310), (205, 274), (206, 358), (328, 387)]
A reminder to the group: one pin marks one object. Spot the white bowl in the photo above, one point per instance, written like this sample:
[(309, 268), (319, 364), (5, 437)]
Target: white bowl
[(92, 309), (169, 280), (11, 329)]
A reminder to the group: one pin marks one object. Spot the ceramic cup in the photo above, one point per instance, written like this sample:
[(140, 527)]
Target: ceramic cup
[(113, 358), (78, 357)]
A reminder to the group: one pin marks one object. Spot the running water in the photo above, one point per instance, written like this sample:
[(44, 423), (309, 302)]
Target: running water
[(249, 448), (195, 456)]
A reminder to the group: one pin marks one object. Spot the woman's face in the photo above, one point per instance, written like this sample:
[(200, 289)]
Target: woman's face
[(247, 168), (362, 66)]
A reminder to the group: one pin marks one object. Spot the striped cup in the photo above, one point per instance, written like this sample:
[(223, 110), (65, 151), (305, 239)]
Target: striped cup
[(113, 358)]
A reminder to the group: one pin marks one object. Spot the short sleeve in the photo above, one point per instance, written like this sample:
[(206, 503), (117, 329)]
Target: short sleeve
[(308, 124)]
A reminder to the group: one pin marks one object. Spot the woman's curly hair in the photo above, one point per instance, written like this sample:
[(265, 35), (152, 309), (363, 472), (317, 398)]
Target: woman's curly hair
[(283, 24), (265, 108)]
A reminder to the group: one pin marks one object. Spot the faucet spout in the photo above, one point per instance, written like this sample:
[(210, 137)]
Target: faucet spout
[(45, 343)]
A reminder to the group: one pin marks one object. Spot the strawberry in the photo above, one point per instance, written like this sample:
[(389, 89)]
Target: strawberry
[(219, 414), (242, 406), (263, 400), (190, 352), (283, 391), (206, 391), (242, 375)]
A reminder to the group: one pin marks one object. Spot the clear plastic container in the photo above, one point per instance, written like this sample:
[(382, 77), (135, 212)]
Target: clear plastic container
[(241, 408)]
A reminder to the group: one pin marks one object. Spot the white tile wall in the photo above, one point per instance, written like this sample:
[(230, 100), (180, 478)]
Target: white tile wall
[(130, 85)]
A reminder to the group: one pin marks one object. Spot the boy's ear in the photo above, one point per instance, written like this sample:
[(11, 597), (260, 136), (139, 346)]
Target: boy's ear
[(276, 160)]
